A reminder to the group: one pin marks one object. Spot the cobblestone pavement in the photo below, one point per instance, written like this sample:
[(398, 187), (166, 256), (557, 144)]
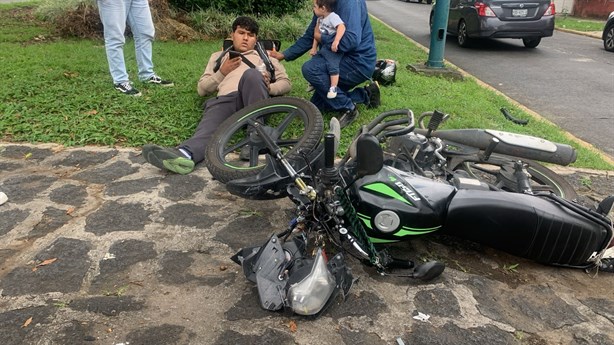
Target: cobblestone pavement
[(98, 248)]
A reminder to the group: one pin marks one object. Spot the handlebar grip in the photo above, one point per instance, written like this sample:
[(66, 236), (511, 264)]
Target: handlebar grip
[(329, 151)]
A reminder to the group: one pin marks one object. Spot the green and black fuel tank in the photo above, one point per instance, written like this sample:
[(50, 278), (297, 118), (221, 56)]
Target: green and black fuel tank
[(394, 205)]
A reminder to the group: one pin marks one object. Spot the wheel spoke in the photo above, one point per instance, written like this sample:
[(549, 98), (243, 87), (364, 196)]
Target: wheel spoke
[(236, 146), (287, 120)]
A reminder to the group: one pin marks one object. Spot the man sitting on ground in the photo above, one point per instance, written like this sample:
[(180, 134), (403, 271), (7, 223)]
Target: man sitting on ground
[(237, 84)]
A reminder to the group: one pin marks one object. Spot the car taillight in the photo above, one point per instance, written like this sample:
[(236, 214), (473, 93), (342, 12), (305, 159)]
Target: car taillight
[(550, 10), (484, 10)]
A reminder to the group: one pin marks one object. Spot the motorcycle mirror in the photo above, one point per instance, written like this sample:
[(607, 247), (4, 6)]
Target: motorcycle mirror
[(429, 270), (369, 155)]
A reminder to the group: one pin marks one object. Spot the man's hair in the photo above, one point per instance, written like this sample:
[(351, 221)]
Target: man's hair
[(246, 23), (329, 4)]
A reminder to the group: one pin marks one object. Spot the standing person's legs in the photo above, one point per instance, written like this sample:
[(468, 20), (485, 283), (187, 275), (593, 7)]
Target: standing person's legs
[(141, 24), (113, 17)]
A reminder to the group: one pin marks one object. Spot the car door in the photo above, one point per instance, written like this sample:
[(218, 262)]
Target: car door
[(453, 16)]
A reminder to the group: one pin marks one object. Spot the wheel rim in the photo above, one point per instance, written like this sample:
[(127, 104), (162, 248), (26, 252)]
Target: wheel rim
[(284, 123), (609, 39), (462, 34), (498, 177)]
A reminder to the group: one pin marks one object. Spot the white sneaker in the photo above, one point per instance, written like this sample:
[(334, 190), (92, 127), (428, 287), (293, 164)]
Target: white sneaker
[(332, 92)]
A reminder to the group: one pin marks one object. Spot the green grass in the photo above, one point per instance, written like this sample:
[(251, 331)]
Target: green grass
[(578, 24), (59, 90)]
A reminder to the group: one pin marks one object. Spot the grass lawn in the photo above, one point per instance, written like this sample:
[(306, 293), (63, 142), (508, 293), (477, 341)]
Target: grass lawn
[(59, 90), (578, 24)]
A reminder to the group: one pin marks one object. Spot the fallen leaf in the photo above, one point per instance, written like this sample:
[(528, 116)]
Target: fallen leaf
[(223, 268), (292, 325), (28, 321), (44, 263), (70, 211), (92, 112), (27, 155)]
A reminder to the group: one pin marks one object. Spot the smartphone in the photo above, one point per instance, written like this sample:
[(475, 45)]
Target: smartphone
[(233, 54)]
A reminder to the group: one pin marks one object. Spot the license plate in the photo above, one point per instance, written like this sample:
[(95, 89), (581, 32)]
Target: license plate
[(519, 12)]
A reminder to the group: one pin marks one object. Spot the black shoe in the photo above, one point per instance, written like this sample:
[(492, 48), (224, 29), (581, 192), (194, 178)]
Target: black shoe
[(168, 158), (606, 265), (154, 79), (373, 94), (347, 117), (127, 89)]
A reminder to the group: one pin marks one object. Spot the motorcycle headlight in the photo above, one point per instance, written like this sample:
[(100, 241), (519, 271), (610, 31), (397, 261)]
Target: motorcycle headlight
[(310, 294)]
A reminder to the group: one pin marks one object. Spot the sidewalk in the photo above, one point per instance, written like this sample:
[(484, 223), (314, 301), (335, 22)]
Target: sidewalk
[(98, 248)]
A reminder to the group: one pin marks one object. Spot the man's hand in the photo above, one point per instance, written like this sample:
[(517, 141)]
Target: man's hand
[(230, 65), (275, 54), (313, 52)]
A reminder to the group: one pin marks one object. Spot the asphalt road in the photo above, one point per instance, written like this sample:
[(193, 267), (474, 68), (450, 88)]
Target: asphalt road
[(568, 78)]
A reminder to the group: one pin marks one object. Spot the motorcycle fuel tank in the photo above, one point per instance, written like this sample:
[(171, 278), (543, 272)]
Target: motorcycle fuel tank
[(393, 204)]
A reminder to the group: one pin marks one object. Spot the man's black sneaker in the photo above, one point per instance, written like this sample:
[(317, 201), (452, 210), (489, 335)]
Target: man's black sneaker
[(168, 158), (373, 94), (347, 117), (127, 89), (154, 79)]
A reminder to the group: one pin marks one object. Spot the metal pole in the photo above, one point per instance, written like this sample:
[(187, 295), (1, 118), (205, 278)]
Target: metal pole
[(438, 34)]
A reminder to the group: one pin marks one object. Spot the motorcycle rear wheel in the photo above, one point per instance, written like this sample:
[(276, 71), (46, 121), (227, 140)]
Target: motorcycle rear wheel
[(293, 123), (497, 172)]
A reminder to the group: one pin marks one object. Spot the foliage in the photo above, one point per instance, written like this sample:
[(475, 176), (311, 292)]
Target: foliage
[(259, 7), (578, 24), (215, 24), (60, 91)]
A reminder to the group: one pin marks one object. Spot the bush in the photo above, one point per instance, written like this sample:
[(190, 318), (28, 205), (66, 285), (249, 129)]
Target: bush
[(253, 7)]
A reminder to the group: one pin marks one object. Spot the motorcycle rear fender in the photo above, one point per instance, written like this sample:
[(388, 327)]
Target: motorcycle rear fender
[(527, 226)]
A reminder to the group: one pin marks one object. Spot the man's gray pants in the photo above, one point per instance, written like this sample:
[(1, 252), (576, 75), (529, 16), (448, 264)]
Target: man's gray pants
[(252, 88)]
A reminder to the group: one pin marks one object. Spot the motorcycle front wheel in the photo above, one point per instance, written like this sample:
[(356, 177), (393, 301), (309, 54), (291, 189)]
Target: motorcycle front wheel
[(498, 172), (237, 151)]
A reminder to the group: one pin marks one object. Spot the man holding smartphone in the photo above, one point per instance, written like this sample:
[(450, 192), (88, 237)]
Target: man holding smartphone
[(237, 85)]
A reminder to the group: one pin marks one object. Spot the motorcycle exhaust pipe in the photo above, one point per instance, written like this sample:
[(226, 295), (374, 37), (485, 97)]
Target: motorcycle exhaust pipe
[(511, 144)]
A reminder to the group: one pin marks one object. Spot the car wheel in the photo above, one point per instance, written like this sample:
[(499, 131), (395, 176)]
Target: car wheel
[(429, 1), (462, 38), (531, 42), (608, 38)]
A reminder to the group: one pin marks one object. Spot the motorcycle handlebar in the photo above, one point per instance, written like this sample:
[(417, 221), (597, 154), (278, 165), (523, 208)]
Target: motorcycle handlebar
[(378, 125)]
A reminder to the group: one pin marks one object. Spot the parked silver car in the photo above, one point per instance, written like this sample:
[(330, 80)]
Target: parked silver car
[(608, 33), (529, 20)]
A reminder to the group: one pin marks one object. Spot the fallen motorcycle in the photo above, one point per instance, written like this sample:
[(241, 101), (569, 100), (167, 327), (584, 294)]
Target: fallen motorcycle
[(479, 185)]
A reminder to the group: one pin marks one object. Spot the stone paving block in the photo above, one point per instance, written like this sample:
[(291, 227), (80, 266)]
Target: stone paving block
[(13, 328), (25, 188), (66, 274), (189, 215), (107, 305), (160, 335), (69, 194), (52, 219), (107, 173), (182, 187), (437, 302), (86, 158), (426, 333), (115, 216), (269, 337), (11, 218), (129, 187), (25, 152)]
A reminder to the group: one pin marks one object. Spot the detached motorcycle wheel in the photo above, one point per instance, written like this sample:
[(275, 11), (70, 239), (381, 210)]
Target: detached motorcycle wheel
[(294, 124), (498, 171)]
